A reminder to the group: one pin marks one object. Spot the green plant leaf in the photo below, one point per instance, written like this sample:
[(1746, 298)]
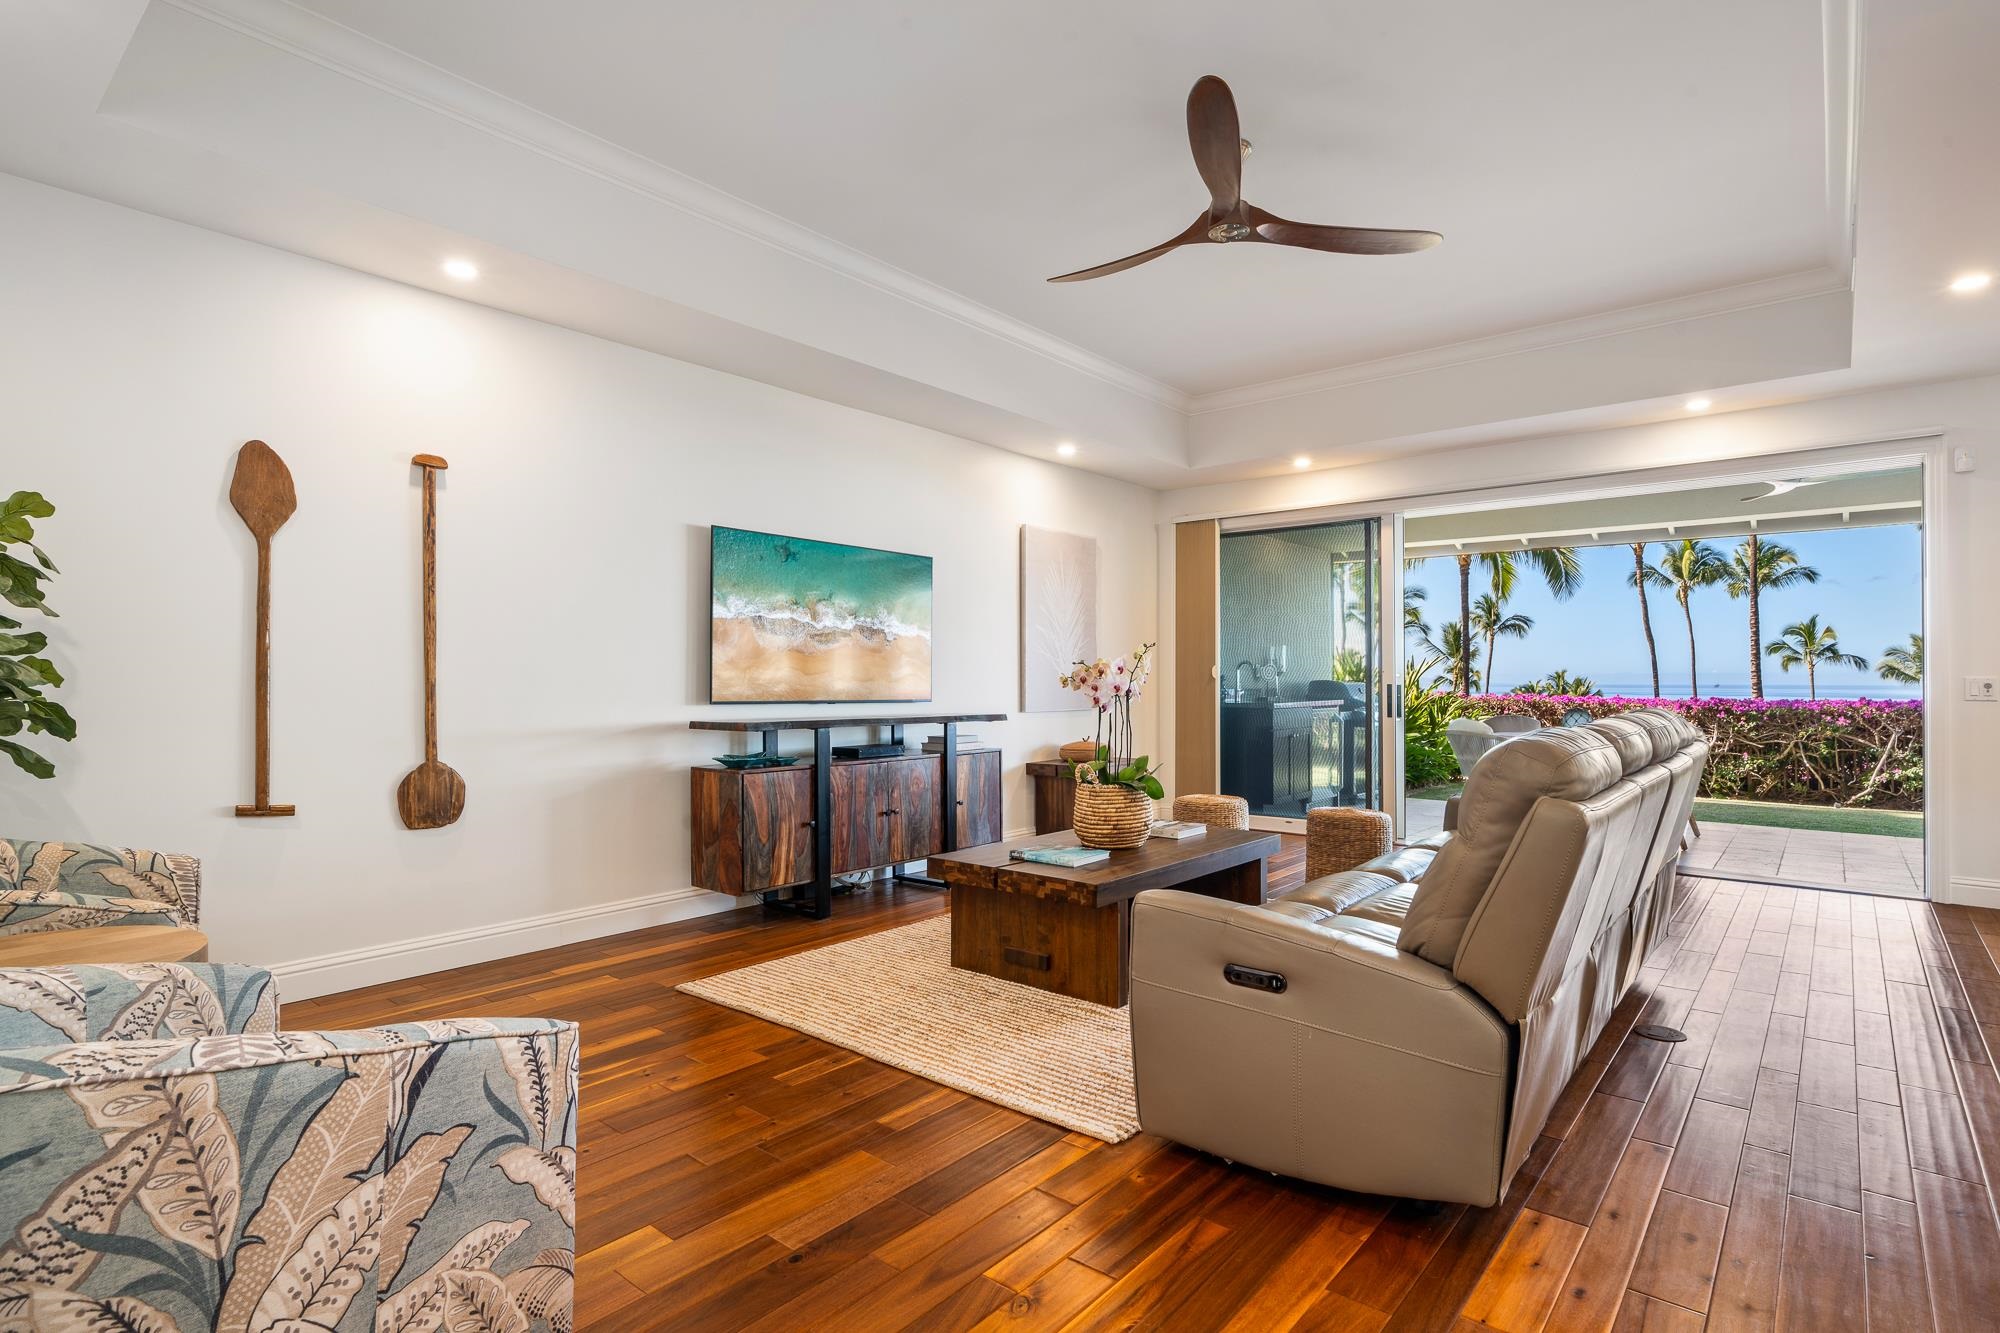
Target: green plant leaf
[(50, 716), (16, 645), (1151, 786), (27, 760), (29, 503)]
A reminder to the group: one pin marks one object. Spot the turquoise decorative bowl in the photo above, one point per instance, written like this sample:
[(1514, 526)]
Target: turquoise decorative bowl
[(756, 760)]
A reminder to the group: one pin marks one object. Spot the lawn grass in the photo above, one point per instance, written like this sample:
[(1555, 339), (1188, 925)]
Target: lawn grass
[(1768, 814), (1829, 819)]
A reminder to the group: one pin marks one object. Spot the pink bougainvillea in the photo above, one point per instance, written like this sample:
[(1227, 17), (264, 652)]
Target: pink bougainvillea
[(1854, 752)]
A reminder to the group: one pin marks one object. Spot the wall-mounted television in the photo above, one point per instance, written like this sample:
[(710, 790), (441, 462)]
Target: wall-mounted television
[(792, 620)]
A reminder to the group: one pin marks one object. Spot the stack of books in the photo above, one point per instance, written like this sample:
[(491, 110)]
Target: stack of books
[(935, 745), (1178, 829), (1070, 857)]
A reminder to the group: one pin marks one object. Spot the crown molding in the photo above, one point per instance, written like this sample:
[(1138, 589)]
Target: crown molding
[(1630, 319), (285, 26), (333, 46)]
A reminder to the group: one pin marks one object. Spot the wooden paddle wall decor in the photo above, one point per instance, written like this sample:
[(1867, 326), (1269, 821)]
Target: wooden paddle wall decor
[(432, 795), (262, 493)]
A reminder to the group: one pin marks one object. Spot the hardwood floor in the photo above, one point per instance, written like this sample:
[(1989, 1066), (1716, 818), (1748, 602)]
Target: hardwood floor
[(1817, 1155)]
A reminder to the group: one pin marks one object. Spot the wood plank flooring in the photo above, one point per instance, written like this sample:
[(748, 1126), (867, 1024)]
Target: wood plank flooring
[(1819, 1155)]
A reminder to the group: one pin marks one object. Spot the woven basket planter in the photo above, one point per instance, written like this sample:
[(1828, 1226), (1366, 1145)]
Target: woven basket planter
[(1112, 817)]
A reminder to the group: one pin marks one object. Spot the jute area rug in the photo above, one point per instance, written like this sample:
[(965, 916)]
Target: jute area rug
[(895, 997)]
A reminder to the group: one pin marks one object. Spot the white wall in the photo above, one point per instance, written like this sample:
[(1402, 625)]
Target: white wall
[(1963, 631), (139, 354)]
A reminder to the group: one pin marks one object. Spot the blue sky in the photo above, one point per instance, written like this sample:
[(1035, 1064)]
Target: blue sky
[(1869, 589)]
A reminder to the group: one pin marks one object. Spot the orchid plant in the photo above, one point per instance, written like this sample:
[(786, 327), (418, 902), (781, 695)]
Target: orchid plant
[(1111, 688)]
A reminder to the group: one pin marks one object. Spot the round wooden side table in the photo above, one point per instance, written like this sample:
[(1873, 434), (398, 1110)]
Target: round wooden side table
[(104, 944)]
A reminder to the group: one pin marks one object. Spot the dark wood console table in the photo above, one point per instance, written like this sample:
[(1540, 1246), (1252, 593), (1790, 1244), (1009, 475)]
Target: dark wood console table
[(768, 829)]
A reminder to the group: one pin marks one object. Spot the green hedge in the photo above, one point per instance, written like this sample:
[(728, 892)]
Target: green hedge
[(1839, 752)]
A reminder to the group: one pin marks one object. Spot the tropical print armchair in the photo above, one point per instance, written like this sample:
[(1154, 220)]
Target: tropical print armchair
[(72, 885), (171, 1160)]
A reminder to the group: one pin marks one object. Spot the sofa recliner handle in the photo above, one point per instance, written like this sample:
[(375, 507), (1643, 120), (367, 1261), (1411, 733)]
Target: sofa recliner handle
[(1254, 978)]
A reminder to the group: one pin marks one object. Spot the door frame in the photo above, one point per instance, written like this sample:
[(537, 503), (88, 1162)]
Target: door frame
[(1385, 643), (1927, 446)]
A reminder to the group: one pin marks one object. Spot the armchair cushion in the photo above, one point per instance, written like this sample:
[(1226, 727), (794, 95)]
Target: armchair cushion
[(421, 1176), (71, 885), (134, 1001)]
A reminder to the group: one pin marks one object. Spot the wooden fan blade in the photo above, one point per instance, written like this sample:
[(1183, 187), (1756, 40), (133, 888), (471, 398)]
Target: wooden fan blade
[(1196, 234), (1340, 240), (1217, 141)]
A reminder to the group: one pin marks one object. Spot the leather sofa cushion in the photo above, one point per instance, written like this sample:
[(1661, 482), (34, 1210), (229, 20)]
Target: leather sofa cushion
[(1669, 731), (1403, 865), (1633, 739), (1566, 763), (1329, 895), (1390, 907)]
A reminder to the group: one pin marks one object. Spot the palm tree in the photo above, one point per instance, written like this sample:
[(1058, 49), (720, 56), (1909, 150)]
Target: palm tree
[(1560, 682), (1755, 566), (1637, 579), (1491, 622), (1413, 615), (1447, 646), (1558, 566), (1905, 666), (1811, 644), (1684, 566)]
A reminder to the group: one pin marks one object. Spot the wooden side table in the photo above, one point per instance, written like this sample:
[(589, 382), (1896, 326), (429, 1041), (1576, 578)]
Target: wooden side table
[(104, 944), (1054, 785)]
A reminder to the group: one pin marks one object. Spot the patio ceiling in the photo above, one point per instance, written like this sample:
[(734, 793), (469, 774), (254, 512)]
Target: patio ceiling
[(1798, 503)]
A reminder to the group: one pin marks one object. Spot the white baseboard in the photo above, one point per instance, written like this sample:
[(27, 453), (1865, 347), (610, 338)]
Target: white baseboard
[(326, 974), (1968, 891), (305, 978)]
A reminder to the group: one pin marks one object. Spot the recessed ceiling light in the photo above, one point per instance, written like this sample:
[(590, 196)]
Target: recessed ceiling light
[(1697, 404), (1302, 461), (1967, 283), (1066, 449), (462, 269)]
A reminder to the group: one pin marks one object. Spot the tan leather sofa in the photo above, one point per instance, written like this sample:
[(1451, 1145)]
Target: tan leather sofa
[(1404, 1028)]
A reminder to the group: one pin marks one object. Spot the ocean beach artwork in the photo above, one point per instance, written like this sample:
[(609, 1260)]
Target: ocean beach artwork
[(801, 621)]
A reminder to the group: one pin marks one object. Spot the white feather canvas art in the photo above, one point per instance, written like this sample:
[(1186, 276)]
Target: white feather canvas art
[(1058, 615)]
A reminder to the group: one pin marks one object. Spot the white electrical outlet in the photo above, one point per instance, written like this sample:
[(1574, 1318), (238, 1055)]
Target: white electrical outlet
[(1982, 689)]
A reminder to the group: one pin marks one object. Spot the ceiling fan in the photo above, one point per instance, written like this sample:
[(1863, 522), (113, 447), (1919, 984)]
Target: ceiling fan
[(1219, 150)]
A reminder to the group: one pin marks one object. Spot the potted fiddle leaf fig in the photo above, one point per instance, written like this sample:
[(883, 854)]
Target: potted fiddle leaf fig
[(24, 673)]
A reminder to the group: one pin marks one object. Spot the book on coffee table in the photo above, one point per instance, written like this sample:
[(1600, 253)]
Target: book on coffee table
[(1178, 829), (1070, 857)]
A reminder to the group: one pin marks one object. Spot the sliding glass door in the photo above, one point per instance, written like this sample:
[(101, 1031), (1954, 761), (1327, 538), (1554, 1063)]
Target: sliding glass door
[(1309, 667)]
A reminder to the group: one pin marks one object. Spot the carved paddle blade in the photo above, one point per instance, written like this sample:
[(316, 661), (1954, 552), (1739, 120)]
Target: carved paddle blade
[(1338, 240), (1217, 141), (261, 490), (432, 795), (1196, 234)]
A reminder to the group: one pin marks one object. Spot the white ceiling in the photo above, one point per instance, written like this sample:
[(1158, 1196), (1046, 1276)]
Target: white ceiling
[(1639, 202), (1579, 157)]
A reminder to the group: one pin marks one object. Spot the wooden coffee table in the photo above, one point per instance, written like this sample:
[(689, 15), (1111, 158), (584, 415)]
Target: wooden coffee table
[(1070, 930)]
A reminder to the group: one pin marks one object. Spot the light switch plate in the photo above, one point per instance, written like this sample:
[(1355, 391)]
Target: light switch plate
[(1982, 689)]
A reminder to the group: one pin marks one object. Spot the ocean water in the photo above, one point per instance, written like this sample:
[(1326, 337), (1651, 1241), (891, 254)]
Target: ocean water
[(1782, 687), (819, 587)]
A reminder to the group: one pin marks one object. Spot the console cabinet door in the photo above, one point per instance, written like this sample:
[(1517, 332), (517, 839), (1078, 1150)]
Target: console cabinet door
[(864, 831), (777, 828), (917, 822), (978, 798)]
